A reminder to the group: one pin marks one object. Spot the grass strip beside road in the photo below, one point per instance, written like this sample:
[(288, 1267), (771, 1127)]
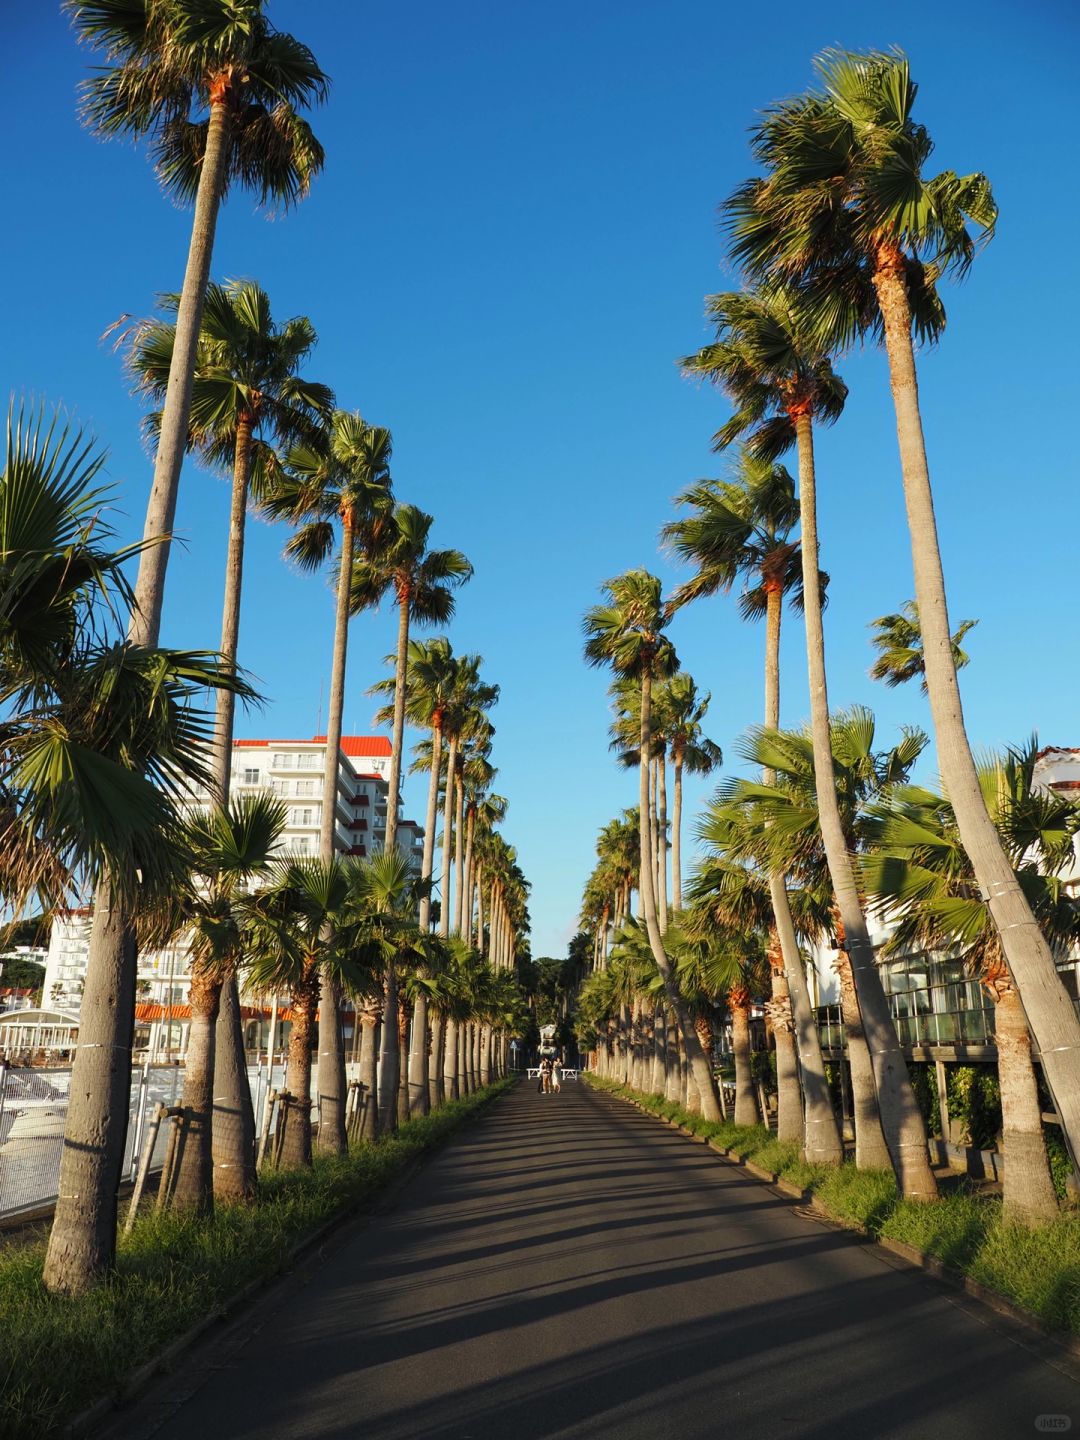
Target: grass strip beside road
[(1038, 1270), (57, 1355)]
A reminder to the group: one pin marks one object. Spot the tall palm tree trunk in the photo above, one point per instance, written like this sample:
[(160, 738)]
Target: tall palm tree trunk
[(401, 675), (429, 817), (661, 840), (746, 1110), (369, 1070), (459, 854), (296, 1147), (233, 1134), (390, 1059), (192, 1178), (871, 1151), (419, 1098), (1049, 1010), (789, 1102), (451, 1088), (233, 1128), (448, 837), (438, 1051), (332, 1087), (698, 1061), (1028, 1196), (900, 1116), (176, 412), (676, 832), (480, 907), (404, 1017), (822, 1144), (467, 888), (659, 1018), (82, 1242)]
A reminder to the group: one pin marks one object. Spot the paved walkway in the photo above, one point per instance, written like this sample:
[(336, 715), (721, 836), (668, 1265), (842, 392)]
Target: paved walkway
[(569, 1269)]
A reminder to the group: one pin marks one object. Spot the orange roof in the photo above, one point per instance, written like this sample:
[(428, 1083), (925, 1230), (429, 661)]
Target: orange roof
[(363, 744), (351, 744), (152, 1010)]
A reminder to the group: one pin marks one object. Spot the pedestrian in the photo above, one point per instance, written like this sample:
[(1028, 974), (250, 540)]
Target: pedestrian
[(556, 1074), (545, 1075)]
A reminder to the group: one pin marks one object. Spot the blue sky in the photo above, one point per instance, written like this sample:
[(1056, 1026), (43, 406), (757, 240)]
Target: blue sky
[(507, 251)]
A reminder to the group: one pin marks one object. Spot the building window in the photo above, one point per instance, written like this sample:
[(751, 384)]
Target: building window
[(283, 762), (302, 845), (305, 787), (251, 777), (307, 760)]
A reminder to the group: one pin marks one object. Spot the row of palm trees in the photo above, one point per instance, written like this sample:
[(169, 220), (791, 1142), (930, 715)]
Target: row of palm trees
[(842, 237), (109, 734)]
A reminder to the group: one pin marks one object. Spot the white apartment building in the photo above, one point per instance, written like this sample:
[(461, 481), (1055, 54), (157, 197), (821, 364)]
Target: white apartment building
[(295, 771)]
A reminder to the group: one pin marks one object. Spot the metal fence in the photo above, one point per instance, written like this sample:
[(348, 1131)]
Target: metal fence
[(33, 1112)]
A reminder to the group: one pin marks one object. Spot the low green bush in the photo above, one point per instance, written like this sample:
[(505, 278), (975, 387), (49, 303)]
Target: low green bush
[(1038, 1269), (58, 1355)]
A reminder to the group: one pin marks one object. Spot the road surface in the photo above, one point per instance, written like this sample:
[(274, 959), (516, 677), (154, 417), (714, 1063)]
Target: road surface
[(569, 1269)]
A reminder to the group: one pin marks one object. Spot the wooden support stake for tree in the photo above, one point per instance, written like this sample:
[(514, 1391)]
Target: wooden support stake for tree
[(160, 1111), (264, 1138)]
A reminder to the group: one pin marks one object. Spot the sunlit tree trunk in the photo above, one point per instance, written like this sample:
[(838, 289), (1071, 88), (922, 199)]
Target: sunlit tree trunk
[(1049, 1010), (82, 1242), (296, 1149), (1028, 1196), (332, 1086), (900, 1117), (821, 1143), (448, 837), (369, 1069), (697, 1060)]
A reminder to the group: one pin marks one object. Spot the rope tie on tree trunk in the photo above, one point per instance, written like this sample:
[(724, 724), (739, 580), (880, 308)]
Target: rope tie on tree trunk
[(100, 1045)]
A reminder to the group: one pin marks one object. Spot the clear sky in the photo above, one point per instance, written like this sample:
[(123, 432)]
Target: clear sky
[(507, 251)]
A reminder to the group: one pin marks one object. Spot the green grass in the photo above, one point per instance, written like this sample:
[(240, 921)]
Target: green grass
[(57, 1355), (1038, 1269)]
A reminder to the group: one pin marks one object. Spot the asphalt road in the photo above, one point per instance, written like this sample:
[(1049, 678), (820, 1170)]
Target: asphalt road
[(570, 1268)]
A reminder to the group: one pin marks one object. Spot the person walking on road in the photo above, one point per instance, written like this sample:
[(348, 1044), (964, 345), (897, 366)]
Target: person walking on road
[(545, 1076)]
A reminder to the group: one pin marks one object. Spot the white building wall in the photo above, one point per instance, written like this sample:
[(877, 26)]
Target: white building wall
[(295, 772)]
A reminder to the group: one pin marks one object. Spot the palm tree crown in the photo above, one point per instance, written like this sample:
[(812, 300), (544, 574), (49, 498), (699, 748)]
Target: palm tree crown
[(168, 61), (245, 377)]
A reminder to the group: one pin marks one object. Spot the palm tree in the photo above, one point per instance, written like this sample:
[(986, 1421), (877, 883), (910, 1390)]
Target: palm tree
[(301, 944), (719, 961), (780, 825), (921, 878), (627, 633), (464, 717), (845, 210), (743, 528), (229, 846), (216, 90), (423, 582), (692, 752), (101, 740), (247, 404), (780, 383), (344, 478), (898, 641), (430, 678), (483, 812), (384, 901), (731, 901)]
